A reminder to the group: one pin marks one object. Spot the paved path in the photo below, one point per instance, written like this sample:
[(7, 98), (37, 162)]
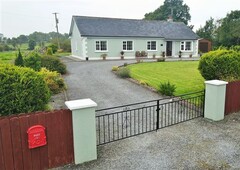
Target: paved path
[(94, 80)]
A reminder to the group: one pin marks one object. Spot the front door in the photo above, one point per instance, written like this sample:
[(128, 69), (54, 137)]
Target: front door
[(169, 48)]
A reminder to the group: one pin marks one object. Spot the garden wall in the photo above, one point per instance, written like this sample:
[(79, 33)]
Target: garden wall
[(232, 103), (14, 151)]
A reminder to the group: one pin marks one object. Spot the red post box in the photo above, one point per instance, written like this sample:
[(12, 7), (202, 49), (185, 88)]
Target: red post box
[(36, 136)]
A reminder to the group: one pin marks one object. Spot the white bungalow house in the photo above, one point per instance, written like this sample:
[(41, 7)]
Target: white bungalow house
[(93, 36)]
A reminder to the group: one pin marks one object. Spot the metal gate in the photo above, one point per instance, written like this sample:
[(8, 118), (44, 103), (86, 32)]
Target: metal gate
[(122, 122)]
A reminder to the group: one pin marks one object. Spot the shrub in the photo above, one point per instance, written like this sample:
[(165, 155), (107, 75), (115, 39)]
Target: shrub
[(143, 53), (114, 68), (19, 60), (53, 63), (49, 51), (54, 47), (66, 45), (54, 80), (33, 60), (167, 88), (22, 90), (220, 64), (160, 59), (125, 64), (31, 44), (123, 72), (137, 54), (235, 48)]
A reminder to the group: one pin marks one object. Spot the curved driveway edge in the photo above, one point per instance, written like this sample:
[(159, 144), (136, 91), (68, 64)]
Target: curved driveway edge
[(94, 80)]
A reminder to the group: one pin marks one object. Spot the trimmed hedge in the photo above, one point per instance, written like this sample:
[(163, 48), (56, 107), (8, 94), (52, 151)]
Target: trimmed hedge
[(220, 64), (22, 90)]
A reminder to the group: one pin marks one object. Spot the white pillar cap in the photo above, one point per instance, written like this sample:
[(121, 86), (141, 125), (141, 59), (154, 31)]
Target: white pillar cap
[(216, 82), (80, 104)]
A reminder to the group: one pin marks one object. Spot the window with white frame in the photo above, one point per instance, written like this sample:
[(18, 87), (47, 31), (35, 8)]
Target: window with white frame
[(151, 45), (127, 45), (186, 46), (101, 45)]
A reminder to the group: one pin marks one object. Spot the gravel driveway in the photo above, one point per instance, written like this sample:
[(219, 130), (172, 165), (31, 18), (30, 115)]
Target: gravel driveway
[(197, 144), (94, 80)]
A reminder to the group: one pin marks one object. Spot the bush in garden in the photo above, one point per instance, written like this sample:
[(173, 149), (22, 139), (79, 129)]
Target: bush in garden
[(19, 60), (167, 88), (123, 72), (66, 45), (235, 48), (114, 68), (22, 90), (49, 51), (160, 59), (54, 80), (53, 63), (137, 54), (143, 53), (54, 47), (220, 64), (33, 60)]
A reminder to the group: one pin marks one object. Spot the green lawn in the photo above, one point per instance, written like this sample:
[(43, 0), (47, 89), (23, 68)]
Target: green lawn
[(184, 74), (7, 57)]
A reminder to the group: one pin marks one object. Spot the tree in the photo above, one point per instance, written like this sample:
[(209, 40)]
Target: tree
[(14, 42), (174, 8), (22, 39), (31, 44), (19, 59), (228, 33), (208, 31)]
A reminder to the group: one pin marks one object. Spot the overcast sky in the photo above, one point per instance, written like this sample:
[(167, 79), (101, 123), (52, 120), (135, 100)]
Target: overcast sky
[(26, 16)]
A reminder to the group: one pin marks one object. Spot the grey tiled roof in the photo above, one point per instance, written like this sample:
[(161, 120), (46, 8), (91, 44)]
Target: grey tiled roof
[(113, 27)]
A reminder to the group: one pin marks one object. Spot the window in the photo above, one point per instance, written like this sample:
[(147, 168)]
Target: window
[(101, 45), (127, 45), (152, 45), (186, 46)]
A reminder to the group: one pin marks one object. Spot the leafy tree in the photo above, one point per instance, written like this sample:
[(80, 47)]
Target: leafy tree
[(22, 39), (39, 37), (31, 44), (208, 31), (19, 59), (14, 42), (228, 33), (179, 11)]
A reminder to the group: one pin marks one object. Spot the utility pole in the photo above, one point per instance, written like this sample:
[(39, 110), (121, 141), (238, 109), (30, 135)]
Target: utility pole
[(56, 20)]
